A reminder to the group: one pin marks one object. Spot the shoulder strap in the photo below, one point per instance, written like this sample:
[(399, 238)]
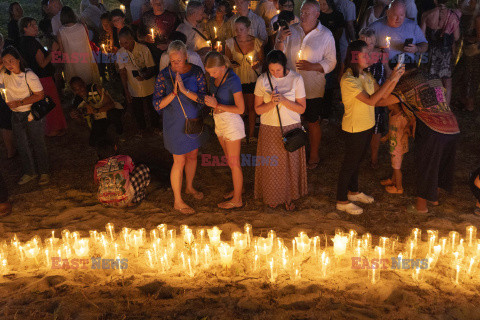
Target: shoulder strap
[(201, 34), (222, 81), (278, 111), (180, 101), (241, 51), (26, 81)]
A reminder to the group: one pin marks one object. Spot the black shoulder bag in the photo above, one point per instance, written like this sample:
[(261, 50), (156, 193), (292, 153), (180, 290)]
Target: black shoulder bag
[(40, 108), (293, 139)]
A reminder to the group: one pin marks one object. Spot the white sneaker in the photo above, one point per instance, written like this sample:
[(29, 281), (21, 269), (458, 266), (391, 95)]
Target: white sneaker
[(361, 197), (26, 178), (350, 208)]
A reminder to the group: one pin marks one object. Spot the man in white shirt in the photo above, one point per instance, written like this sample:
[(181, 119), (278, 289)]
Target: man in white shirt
[(137, 72), (266, 10), (310, 49), (192, 28), (91, 15), (258, 27), (54, 7), (347, 8)]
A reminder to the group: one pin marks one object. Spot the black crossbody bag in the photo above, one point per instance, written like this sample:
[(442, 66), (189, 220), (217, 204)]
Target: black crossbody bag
[(293, 139), (40, 108)]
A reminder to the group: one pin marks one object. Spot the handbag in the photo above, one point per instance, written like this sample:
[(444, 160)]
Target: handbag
[(293, 139), (40, 108), (192, 125)]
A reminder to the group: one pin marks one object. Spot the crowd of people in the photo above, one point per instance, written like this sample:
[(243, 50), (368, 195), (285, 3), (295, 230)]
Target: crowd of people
[(289, 66)]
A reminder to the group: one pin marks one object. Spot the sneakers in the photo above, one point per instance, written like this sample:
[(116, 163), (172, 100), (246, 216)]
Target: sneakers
[(360, 197), (44, 179), (350, 208), (26, 178), (393, 190)]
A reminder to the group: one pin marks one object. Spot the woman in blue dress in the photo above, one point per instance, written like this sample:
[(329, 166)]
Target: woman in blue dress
[(185, 82)]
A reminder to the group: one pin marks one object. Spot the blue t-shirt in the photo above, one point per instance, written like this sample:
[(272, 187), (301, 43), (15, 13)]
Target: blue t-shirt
[(224, 94), (409, 29)]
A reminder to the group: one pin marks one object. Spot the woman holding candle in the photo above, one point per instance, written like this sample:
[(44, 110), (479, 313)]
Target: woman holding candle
[(246, 52), (179, 94), (23, 88), (6, 116), (40, 60), (285, 179), (360, 93), (216, 27), (228, 104)]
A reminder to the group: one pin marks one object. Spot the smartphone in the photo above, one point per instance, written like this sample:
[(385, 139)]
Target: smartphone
[(408, 42), (135, 73), (401, 60)]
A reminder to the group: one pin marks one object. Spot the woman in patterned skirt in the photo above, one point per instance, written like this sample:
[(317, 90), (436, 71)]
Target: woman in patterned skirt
[(280, 176)]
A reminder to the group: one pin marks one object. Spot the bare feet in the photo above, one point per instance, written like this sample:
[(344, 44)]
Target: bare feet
[(290, 206), (196, 194), (229, 195)]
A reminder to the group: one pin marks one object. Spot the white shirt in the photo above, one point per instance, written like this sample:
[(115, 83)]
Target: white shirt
[(17, 89), (192, 57), (317, 47), (195, 41), (138, 59), (347, 8), (258, 28), (92, 15), (291, 87), (56, 24)]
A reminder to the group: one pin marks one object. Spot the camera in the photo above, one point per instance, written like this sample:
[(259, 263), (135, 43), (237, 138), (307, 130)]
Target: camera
[(284, 19), (280, 23)]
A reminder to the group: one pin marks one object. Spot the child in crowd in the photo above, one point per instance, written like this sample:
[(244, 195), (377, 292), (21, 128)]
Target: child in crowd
[(95, 103), (106, 42), (475, 187), (121, 184), (400, 128)]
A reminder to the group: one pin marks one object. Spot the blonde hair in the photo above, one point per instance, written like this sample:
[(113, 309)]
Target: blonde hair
[(216, 59)]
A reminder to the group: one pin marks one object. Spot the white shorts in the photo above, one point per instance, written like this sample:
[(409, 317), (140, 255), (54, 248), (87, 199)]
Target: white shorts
[(229, 126)]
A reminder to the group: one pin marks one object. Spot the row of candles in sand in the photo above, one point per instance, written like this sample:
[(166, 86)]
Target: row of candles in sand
[(193, 252)]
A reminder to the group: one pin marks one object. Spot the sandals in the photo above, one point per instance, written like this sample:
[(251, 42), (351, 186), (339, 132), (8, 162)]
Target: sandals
[(312, 166), (393, 190), (185, 210), (228, 205), (350, 208), (361, 197), (386, 182), (229, 195), (412, 209), (477, 211)]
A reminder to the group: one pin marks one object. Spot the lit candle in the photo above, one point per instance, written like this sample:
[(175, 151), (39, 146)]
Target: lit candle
[(374, 275), (226, 254), (234, 9), (110, 228), (387, 41), (215, 31), (300, 55), (190, 269), (4, 95), (264, 246), (454, 238), (352, 237), (293, 248), (471, 236), (437, 250), (248, 231), (250, 58), (162, 228), (255, 262), (470, 265), (152, 31), (411, 247), (303, 243), (214, 235), (150, 259), (416, 234), (47, 258), (201, 235), (239, 241), (339, 245), (273, 273), (443, 243), (456, 274), (219, 46), (316, 242), (324, 262), (278, 11), (209, 43), (81, 247), (383, 243), (416, 274), (122, 7), (103, 47), (367, 242)]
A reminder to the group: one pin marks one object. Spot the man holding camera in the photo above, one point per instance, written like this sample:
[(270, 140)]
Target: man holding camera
[(310, 50), (137, 71), (399, 35)]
